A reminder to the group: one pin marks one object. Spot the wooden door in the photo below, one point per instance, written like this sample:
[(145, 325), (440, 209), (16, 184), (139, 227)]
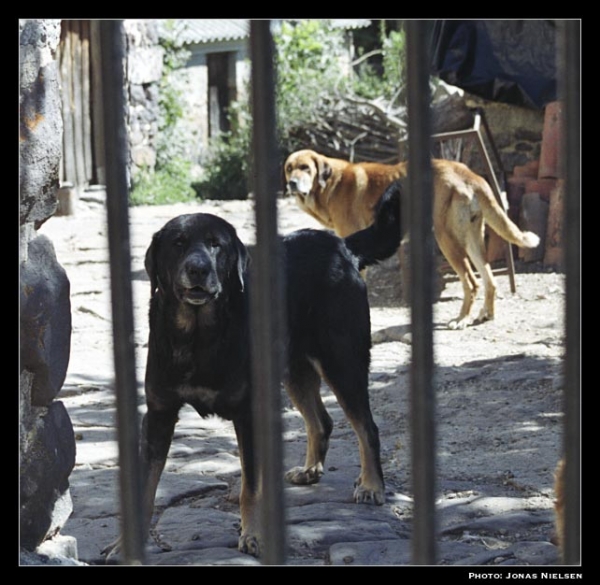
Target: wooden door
[(77, 56)]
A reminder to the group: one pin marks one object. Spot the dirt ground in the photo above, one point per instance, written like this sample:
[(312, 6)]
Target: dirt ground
[(498, 385)]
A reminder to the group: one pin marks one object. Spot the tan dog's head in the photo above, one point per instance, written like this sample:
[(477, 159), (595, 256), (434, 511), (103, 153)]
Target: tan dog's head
[(306, 172)]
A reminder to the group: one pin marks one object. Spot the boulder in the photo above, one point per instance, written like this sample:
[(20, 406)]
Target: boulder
[(47, 459), (40, 130), (45, 321), (46, 438)]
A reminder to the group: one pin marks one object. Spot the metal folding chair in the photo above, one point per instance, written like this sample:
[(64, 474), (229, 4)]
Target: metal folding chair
[(496, 177)]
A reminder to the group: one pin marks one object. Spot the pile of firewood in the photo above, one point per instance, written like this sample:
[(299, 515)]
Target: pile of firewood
[(356, 130), (372, 130)]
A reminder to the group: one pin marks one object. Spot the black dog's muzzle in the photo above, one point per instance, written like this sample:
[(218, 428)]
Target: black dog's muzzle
[(197, 282)]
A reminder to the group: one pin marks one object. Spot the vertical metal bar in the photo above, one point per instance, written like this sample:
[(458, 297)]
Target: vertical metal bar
[(421, 263), (267, 296), (113, 53), (570, 86)]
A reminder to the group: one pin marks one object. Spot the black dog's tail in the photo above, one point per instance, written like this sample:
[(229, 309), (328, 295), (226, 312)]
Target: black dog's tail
[(380, 240)]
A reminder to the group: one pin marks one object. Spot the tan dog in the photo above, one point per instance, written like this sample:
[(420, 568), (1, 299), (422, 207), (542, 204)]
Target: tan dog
[(341, 195)]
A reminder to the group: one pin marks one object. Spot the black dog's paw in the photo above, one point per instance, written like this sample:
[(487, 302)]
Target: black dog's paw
[(249, 544), (304, 476)]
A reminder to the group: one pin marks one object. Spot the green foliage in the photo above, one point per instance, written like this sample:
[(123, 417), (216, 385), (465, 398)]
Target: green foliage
[(370, 84), (394, 62), (309, 82), (226, 172), (168, 184), (308, 66), (227, 168)]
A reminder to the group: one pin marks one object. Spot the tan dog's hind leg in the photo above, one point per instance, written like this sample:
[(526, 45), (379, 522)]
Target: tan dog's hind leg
[(457, 258), (470, 288), (475, 245)]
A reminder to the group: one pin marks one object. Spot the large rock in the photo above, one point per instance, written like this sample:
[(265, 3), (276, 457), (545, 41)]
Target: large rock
[(40, 135), (45, 321), (47, 442), (47, 459)]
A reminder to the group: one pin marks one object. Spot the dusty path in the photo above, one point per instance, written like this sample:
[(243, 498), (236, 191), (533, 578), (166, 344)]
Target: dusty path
[(499, 424)]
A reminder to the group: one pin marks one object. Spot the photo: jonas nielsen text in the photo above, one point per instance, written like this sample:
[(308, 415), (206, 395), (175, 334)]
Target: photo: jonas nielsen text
[(526, 576)]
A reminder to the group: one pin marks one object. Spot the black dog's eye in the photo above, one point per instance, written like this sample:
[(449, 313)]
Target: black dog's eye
[(214, 243), (179, 241)]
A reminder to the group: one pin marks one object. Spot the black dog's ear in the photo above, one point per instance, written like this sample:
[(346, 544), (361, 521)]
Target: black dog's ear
[(150, 262), (243, 260), (324, 171)]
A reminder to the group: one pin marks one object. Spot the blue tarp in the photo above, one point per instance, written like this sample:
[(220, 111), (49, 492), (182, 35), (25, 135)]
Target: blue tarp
[(511, 61)]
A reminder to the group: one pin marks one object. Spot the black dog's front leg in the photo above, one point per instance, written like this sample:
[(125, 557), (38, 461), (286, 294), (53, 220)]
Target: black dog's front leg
[(157, 433), (250, 491)]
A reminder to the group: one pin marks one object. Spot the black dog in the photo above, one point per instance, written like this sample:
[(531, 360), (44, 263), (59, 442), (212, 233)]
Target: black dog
[(198, 350)]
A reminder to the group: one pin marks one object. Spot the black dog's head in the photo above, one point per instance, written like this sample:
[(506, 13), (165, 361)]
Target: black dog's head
[(196, 257)]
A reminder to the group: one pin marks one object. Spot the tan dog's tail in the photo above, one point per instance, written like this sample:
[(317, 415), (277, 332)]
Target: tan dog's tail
[(499, 221)]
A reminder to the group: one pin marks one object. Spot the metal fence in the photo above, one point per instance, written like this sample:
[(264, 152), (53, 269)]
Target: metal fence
[(266, 308)]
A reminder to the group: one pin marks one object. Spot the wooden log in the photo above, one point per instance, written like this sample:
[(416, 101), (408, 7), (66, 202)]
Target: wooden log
[(451, 114), (67, 200)]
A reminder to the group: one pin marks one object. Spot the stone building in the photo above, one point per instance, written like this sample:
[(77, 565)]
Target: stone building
[(217, 72)]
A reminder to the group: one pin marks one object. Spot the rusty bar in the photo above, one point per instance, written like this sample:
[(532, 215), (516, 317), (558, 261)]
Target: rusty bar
[(267, 296), (570, 88), (115, 138), (422, 269)]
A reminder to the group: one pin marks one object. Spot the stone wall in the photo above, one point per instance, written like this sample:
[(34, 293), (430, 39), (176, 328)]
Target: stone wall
[(192, 81), (143, 73), (517, 131), (47, 443)]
